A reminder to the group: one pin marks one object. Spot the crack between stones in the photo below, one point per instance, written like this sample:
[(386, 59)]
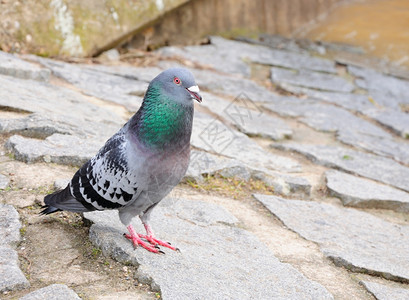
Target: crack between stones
[(340, 262)]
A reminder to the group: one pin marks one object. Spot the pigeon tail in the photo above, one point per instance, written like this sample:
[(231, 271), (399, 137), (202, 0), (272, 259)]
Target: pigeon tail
[(48, 210), (63, 200)]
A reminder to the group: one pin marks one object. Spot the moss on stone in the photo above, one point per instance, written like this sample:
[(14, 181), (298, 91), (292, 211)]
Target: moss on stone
[(96, 23)]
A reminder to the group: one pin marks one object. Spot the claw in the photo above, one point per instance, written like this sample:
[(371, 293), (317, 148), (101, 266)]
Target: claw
[(136, 241), (154, 243)]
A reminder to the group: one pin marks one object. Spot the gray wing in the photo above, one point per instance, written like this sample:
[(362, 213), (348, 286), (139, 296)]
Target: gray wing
[(106, 181)]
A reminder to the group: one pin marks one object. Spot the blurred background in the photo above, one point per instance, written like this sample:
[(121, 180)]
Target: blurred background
[(318, 116), (78, 28)]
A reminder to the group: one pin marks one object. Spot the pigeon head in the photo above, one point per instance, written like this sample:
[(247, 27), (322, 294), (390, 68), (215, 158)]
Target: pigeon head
[(178, 85), (164, 120)]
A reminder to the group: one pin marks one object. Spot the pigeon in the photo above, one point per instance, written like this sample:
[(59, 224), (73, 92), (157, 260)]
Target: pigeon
[(140, 164)]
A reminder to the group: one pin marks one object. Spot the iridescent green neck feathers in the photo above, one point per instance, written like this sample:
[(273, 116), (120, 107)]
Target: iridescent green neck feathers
[(162, 123)]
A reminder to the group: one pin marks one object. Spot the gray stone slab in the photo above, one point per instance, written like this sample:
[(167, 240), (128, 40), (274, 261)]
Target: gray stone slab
[(52, 292), (57, 148), (11, 65), (358, 132), (290, 106), (382, 145), (275, 41), (330, 118), (309, 79), (384, 99), (229, 57), (72, 113), (385, 292), (377, 106), (361, 61), (274, 57), (226, 60), (295, 185), (4, 181), (301, 45), (359, 192), (40, 126), (285, 184), (239, 172), (213, 136), (212, 263), (9, 225), (368, 165), (394, 120), (136, 73), (11, 277), (237, 48), (341, 47), (374, 81), (292, 60), (354, 102), (353, 239), (71, 119), (225, 55), (203, 163), (247, 116), (367, 104), (118, 89), (398, 72)]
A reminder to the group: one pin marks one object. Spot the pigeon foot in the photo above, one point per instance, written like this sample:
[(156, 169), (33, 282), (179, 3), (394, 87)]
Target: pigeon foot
[(156, 242), (136, 241)]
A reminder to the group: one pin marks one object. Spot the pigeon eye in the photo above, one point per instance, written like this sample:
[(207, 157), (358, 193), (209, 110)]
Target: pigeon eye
[(176, 80)]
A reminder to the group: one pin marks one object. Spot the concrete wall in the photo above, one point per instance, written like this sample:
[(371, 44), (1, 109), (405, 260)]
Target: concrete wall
[(198, 18)]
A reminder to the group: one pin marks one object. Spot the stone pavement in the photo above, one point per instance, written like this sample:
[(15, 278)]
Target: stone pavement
[(323, 134), (214, 259), (11, 276)]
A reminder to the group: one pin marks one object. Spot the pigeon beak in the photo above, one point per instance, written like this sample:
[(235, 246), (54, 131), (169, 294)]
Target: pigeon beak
[(194, 93)]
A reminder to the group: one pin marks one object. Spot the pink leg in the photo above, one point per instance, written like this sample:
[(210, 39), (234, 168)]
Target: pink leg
[(151, 239), (136, 240)]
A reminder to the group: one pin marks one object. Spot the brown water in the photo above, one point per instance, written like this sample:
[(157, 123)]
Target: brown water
[(381, 27)]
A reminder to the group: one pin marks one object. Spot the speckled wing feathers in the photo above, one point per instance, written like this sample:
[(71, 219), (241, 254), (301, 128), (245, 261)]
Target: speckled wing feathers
[(106, 181)]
